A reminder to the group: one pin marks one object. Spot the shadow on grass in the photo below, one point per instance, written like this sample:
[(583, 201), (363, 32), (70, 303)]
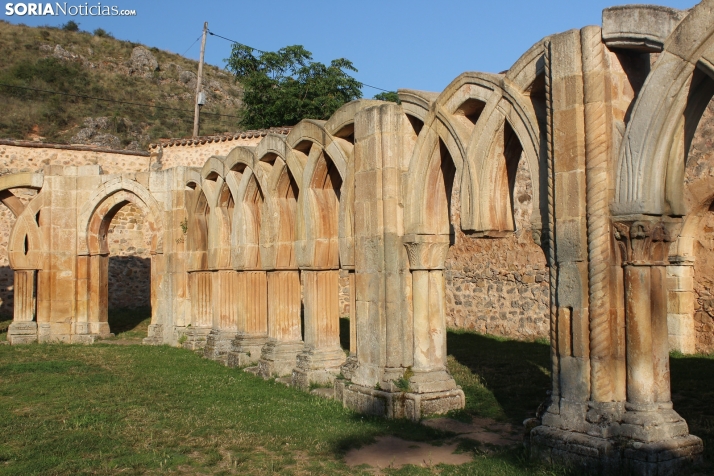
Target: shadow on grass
[(506, 379), (126, 320)]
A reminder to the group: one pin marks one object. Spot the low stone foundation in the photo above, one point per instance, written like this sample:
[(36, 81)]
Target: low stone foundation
[(409, 405), (593, 455), (278, 358)]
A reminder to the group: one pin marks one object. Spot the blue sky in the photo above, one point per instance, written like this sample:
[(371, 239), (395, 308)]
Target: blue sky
[(394, 44)]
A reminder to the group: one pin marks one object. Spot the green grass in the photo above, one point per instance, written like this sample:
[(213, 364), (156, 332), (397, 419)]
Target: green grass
[(5, 322), (105, 409), (503, 379)]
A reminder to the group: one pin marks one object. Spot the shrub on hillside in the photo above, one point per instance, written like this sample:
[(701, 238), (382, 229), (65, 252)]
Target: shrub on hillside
[(102, 33), (71, 26)]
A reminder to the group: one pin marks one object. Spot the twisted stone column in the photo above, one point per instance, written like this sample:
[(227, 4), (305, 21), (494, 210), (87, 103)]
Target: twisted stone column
[(597, 140)]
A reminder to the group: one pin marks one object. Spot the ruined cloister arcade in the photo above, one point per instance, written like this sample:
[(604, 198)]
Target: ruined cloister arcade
[(588, 159)]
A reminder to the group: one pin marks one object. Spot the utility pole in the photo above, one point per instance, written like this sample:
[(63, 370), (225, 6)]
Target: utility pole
[(199, 103)]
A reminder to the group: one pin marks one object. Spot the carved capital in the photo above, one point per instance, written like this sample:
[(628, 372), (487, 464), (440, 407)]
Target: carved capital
[(426, 251), (643, 242)]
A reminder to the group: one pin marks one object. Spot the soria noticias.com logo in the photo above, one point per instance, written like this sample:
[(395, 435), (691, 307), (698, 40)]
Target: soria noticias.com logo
[(57, 8)]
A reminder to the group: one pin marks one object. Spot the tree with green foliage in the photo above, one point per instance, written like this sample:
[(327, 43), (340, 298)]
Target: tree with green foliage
[(390, 96), (281, 88)]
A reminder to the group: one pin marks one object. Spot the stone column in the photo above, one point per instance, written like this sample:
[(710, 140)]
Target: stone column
[(279, 354), (252, 333), (322, 356), (649, 416), (200, 288), (98, 281), (23, 329), (427, 255), (225, 314), (159, 304)]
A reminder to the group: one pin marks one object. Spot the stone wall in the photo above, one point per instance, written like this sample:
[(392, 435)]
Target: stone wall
[(129, 259), (700, 167), (194, 152), (499, 286)]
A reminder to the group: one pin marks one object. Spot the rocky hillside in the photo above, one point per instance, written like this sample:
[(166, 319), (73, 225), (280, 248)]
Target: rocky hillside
[(97, 65)]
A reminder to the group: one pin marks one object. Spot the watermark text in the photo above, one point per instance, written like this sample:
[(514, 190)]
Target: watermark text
[(62, 8)]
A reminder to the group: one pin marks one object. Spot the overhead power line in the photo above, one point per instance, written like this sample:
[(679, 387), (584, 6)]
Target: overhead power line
[(199, 37), (112, 100), (261, 51)]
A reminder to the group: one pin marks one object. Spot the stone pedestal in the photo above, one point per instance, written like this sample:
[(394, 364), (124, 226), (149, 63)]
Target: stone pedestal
[(595, 455), (246, 350), (410, 405), (278, 359), (22, 333), (195, 337), (226, 291), (252, 324), (218, 344), (279, 355), (23, 329), (155, 335), (321, 358)]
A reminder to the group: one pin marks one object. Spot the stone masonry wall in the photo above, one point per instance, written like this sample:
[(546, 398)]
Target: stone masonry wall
[(129, 259), (499, 286), (700, 166)]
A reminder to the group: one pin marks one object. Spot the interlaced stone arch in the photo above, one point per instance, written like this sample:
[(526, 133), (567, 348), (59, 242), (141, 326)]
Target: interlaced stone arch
[(25, 246), (281, 190)]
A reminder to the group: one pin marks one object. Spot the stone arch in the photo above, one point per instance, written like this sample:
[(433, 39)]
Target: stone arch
[(93, 214), (279, 224), (324, 155), (435, 138), (247, 178), (25, 245), (197, 229), (98, 226), (487, 107), (651, 158)]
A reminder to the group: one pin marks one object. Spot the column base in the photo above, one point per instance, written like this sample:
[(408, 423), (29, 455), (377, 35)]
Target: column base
[(195, 337), (413, 406), (155, 335), (245, 350), (278, 359), (319, 366), (100, 329), (22, 333), (85, 339), (432, 381), (595, 455), (659, 424), (218, 345)]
